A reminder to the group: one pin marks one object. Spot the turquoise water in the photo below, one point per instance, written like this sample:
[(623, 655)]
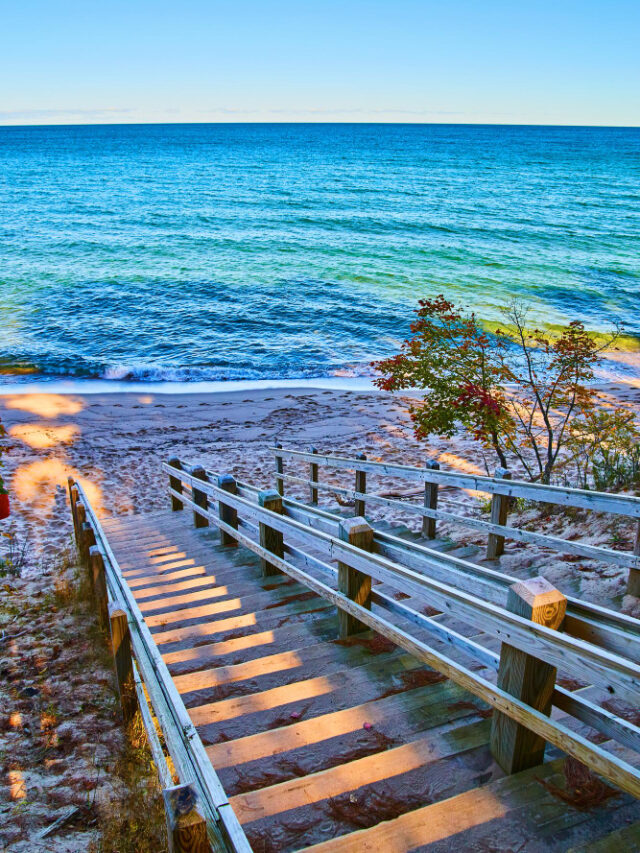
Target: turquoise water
[(194, 252)]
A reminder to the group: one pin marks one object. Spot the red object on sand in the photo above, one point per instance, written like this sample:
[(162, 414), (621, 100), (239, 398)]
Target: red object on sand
[(5, 509)]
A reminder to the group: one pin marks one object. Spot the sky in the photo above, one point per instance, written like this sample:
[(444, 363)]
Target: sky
[(453, 61)]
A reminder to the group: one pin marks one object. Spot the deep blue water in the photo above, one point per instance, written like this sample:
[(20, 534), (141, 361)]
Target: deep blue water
[(262, 251)]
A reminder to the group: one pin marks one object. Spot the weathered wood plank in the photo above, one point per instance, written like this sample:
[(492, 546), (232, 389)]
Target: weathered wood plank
[(199, 498), (499, 512), (270, 539), (430, 502), (449, 818), (514, 746), (354, 584), (314, 787), (360, 488), (596, 501), (610, 671), (121, 649), (175, 484)]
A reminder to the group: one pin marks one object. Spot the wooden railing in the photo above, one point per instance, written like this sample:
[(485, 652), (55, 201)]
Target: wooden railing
[(530, 625), (197, 809), (502, 489)]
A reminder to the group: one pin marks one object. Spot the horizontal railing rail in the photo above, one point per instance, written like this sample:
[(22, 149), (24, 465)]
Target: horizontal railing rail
[(610, 629), (579, 498), (502, 489), (181, 738), (615, 674), (617, 632)]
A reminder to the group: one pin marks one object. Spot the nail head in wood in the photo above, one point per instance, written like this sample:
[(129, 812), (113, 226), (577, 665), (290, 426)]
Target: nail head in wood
[(529, 679)]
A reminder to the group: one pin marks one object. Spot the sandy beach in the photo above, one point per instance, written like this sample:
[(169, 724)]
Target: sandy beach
[(115, 444)]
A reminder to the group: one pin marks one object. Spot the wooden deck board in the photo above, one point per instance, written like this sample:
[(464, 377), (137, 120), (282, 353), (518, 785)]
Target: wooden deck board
[(310, 736)]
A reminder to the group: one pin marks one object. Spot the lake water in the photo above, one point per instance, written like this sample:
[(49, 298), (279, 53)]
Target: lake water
[(217, 252)]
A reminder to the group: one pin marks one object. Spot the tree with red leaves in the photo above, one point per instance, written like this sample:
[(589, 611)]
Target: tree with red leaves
[(517, 392)]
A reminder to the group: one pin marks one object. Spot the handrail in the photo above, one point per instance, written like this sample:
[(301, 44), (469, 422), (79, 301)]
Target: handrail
[(626, 505), (610, 671), (502, 490), (183, 741), (614, 673), (616, 631)]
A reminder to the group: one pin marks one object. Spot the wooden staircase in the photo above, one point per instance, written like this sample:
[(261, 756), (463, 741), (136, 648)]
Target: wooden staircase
[(349, 745)]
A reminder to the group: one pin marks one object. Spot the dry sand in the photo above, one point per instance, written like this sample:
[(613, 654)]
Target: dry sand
[(115, 444)]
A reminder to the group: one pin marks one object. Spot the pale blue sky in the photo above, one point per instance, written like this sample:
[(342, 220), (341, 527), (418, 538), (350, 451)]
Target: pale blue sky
[(539, 62)]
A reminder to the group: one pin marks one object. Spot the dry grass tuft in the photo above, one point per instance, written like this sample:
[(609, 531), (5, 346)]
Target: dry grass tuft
[(583, 789), (132, 819)]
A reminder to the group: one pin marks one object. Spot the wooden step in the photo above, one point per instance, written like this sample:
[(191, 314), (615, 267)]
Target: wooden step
[(245, 715), (429, 709), (619, 841), (381, 714), (269, 671), (205, 582), (247, 622), (250, 645), (512, 813), (254, 599), (397, 779)]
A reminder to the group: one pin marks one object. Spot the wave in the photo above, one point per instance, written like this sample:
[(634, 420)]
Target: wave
[(153, 373)]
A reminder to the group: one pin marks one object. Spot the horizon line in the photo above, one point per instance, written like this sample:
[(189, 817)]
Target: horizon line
[(335, 122)]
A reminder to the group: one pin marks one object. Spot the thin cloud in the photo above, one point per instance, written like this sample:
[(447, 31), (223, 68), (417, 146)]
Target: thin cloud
[(93, 113)]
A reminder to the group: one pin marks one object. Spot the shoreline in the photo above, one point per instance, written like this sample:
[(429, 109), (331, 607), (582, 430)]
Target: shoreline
[(123, 386), (616, 366)]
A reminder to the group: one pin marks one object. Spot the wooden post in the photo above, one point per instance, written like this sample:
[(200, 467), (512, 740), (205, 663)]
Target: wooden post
[(499, 512), (279, 470), (81, 518), (361, 486), (200, 498), (430, 501), (73, 499), (176, 484), (313, 471), (87, 541), (121, 648), (99, 580), (227, 513), (352, 583), (270, 539), (633, 581), (514, 746), (186, 828)]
